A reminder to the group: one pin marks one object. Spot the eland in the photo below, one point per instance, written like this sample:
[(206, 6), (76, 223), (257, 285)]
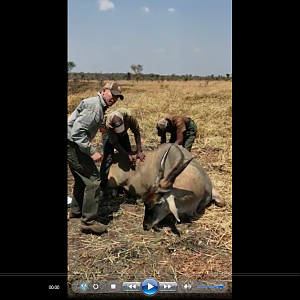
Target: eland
[(170, 181)]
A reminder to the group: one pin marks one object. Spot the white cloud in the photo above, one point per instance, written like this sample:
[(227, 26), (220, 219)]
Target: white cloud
[(160, 50), (197, 49), (114, 48), (105, 5), (145, 9), (171, 9)]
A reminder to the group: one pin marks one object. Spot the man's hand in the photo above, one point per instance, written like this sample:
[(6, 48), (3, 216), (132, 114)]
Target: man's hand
[(96, 156), (130, 158), (140, 155)]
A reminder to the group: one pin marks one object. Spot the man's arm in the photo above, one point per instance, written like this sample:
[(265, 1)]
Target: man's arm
[(113, 139), (135, 128), (163, 138), (179, 138), (138, 142), (80, 130), (180, 129), (140, 154), (120, 149)]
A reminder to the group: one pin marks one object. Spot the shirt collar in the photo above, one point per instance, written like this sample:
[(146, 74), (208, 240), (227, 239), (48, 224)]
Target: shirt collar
[(103, 103)]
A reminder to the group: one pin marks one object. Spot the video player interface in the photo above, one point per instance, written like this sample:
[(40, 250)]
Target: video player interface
[(149, 286)]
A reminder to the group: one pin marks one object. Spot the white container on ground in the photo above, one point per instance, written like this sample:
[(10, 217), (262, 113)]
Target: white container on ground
[(69, 201)]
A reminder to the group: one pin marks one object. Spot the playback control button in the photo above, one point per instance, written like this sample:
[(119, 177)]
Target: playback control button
[(168, 286), (131, 286), (149, 286)]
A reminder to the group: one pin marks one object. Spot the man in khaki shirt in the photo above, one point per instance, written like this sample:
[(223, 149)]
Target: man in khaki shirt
[(182, 128), (115, 136)]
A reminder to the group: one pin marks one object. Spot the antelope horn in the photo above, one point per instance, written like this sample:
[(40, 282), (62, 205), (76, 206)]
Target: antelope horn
[(160, 173), (180, 166), (172, 175)]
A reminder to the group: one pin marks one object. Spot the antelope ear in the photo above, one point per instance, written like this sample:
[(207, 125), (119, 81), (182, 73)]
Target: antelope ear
[(172, 207), (162, 190)]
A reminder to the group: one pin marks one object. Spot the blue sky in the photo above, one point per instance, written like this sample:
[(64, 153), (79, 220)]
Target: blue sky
[(165, 36)]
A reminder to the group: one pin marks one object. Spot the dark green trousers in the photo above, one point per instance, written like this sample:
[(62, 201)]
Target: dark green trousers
[(188, 137), (86, 196)]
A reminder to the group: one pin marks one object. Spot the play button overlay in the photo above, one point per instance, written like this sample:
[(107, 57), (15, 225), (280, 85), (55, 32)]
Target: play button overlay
[(149, 286), (168, 286)]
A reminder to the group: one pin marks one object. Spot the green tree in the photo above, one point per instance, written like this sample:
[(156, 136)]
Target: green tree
[(71, 66), (137, 69)]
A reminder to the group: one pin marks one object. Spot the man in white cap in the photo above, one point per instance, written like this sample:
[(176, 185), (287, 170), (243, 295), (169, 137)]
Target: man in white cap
[(116, 137), (83, 124), (182, 128)]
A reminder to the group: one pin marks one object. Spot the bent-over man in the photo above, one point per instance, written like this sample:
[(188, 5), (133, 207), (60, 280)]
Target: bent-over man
[(116, 137), (183, 130)]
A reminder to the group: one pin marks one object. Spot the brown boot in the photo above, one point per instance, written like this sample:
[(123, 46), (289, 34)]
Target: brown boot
[(96, 227)]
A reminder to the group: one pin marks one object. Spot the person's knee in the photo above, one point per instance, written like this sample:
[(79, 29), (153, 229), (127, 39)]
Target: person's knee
[(97, 181), (188, 144), (95, 186), (92, 182), (189, 148)]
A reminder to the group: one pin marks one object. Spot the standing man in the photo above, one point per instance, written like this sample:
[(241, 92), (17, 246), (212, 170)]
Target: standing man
[(116, 137), (182, 128), (83, 125)]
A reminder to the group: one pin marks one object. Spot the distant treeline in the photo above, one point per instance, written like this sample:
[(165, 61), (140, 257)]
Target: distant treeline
[(141, 77)]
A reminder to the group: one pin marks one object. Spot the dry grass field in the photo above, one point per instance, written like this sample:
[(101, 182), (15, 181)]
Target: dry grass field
[(204, 249)]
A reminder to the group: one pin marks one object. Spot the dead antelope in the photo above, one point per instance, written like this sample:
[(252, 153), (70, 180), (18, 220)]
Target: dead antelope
[(184, 191)]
